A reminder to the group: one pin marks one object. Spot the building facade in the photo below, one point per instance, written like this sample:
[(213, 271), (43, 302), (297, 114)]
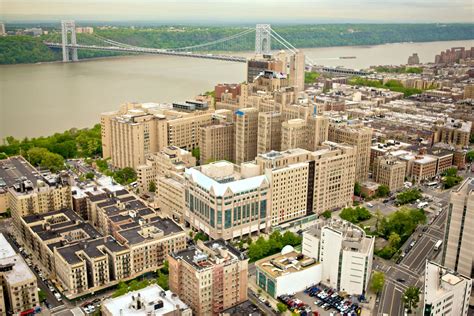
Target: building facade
[(225, 201), (246, 134), (210, 277), (446, 292), (459, 237)]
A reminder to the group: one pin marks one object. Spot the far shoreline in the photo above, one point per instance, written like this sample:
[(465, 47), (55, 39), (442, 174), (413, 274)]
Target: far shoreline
[(238, 53)]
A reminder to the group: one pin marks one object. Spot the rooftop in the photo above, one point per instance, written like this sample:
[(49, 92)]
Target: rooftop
[(223, 179), (153, 301), (206, 255), (285, 263)]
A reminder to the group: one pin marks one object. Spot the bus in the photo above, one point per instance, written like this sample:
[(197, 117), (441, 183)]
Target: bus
[(438, 244), (432, 184)]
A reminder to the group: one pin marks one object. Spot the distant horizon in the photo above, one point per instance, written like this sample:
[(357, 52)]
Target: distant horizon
[(214, 23), (240, 11)]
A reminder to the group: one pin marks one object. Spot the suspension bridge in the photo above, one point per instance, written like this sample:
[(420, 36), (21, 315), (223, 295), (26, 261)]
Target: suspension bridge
[(263, 37)]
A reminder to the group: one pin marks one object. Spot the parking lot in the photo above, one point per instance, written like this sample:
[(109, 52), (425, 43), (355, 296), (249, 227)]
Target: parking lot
[(321, 300)]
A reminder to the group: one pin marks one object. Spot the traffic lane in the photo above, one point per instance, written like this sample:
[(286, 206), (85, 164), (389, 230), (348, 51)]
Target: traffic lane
[(264, 308), (396, 307), (419, 252), (385, 303)]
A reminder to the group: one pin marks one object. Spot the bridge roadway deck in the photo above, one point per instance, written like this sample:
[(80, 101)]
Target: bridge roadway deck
[(151, 51)]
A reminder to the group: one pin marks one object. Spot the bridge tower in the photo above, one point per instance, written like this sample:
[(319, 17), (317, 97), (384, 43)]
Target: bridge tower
[(263, 39), (69, 26)]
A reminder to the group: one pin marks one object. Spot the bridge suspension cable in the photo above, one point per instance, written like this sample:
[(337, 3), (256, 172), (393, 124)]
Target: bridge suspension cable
[(288, 45), (248, 31)]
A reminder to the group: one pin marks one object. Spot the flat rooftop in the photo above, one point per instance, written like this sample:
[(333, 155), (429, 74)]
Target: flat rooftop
[(151, 297), (285, 263), (207, 256)]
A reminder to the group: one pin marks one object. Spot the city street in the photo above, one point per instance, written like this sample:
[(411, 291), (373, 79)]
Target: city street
[(410, 271)]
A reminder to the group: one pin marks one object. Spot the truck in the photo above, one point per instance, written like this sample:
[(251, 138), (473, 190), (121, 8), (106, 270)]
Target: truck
[(422, 204), (438, 244)]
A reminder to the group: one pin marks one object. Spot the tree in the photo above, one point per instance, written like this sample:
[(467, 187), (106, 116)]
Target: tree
[(152, 186), (383, 190), (377, 282), (408, 196), (282, 307), (355, 215), (394, 240), (90, 175), (470, 156), (411, 297), (162, 280), (326, 214), (125, 176), (357, 189), (196, 153), (450, 172)]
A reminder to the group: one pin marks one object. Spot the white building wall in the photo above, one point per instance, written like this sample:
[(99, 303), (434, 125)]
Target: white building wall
[(310, 245), (445, 300), (352, 272), (331, 242), (298, 281)]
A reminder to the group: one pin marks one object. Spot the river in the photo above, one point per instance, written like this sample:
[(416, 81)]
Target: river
[(41, 99)]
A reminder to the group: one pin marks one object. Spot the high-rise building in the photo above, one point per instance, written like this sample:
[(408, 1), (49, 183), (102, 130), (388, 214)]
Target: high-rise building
[(290, 174), (389, 171), (318, 129), (246, 134), (226, 202), (304, 182), (459, 236), (446, 292), (345, 253), (452, 132), (297, 66), (217, 142), (170, 159), (259, 64), (334, 176), (294, 134), (2, 29), (19, 288), (358, 136), (413, 59), (136, 130), (269, 132), (210, 277)]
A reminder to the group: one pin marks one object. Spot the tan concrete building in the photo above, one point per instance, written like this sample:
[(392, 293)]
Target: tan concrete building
[(304, 182), (297, 67), (170, 159), (289, 174), (26, 191), (217, 142), (389, 171), (334, 176), (209, 278), (458, 245), (318, 129), (269, 132), (137, 130), (294, 134), (358, 136), (246, 134), (453, 132), (227, 201), (124, 239), (170, 196), (19, 288)]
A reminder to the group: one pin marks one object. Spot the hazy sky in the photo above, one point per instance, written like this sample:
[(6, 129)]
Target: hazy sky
[(296, 11)]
